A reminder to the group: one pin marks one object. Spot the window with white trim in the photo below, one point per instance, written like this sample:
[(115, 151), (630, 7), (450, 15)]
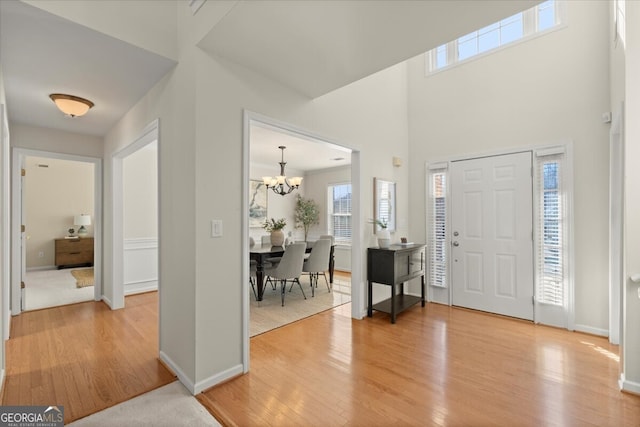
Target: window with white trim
[(339, 212), (551, 246), (437, 228), (543, 17)]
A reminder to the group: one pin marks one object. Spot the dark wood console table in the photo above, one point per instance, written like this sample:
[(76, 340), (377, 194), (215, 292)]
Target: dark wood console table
[(394, 266)]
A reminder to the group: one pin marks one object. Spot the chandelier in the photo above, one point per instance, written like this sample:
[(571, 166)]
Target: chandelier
[(281, 184)]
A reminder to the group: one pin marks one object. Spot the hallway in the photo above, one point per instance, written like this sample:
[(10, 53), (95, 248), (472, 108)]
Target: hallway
[(84, 356)]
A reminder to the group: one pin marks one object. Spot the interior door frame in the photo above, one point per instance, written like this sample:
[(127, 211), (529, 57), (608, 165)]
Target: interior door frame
[(18, 157), (357, 285), (616, 225), (149, 134)]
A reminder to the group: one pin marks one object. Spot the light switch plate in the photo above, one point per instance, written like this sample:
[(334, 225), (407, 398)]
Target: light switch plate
[(216, 228)]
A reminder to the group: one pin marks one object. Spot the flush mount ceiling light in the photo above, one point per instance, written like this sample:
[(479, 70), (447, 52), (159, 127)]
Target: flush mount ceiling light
[(72, 106)]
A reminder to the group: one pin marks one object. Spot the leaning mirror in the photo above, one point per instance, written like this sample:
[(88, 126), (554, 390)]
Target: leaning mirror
[(384, 204)]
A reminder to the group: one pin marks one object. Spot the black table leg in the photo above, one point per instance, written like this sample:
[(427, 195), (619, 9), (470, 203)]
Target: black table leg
[(260, 280)]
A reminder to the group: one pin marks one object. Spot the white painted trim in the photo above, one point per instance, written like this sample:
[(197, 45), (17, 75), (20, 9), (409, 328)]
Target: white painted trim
[(140, 244), (182, 377), (140, 287), (5, 230), (18, 157), (42, 268), (358, 309), (213, 380), (629, 386), (150, 133), (108, 302), (591, 330), (616, 224)]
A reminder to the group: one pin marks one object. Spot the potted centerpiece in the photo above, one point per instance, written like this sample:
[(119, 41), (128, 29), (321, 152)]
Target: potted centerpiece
[(384, 237), (274, 227)]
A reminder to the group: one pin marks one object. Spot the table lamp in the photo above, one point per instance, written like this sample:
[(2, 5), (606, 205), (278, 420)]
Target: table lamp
[(82, 220)]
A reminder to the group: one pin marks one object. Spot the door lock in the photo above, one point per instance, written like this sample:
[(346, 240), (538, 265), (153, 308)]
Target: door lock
[(455, 233)]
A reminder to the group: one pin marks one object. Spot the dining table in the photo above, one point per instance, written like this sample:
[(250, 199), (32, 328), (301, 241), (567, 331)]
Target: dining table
[(260, 254)]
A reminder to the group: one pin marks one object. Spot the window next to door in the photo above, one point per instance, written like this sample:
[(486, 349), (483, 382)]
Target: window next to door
[(437, 232)]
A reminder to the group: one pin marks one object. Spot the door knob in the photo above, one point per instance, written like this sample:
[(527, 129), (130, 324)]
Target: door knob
[(456, 244)]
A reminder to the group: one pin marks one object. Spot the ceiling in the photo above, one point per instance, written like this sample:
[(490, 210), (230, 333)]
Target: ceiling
[(302, 153), (311, 46), (43, 54)]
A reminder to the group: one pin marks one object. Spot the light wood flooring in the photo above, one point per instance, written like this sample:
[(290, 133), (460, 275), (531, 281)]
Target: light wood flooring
[(437, 366), (84, 356)]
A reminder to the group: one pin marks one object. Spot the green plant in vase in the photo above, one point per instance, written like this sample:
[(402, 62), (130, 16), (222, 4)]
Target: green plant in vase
[(274, 227)]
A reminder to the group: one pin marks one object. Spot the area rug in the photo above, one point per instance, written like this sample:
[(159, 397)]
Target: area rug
[(83, 278)]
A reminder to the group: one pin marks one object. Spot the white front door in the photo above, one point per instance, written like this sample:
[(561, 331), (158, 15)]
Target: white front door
[(491, 234)]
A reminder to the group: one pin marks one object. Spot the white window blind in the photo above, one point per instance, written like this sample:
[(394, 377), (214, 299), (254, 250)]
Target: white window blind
[(551, 248), (339, 215), (437, 228)]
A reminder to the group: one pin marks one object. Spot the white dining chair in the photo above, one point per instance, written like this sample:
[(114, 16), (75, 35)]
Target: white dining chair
[(317, 263), (289, 268)]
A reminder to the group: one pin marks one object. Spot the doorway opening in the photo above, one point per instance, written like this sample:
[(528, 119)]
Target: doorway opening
[(135, 218), (327, 169), (53, 197)]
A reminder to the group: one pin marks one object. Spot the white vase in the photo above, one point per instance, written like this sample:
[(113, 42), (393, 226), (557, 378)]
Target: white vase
[(277, 238), (384, 238)]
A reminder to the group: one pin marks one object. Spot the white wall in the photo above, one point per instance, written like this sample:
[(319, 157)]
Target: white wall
[(200, 106), (53, 195), (541, 91), (53, 140), (140, 193)]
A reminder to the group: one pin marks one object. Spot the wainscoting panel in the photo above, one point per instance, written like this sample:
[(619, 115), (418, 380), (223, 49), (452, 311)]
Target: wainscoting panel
[(140, 265), (342, 256)]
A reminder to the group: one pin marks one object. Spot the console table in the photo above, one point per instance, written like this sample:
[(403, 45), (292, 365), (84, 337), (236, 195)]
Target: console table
[(394, 266), (74, 252)]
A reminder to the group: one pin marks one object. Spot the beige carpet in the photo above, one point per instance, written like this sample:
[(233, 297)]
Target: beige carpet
[(83, 277), (167, 406), (269, 314)]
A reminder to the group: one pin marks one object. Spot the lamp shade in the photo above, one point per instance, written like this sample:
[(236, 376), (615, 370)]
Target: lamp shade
[(73, 106), (82, 219)]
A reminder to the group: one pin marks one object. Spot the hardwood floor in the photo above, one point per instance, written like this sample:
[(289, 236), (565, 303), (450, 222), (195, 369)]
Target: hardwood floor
[(85, 356), (436, 366)]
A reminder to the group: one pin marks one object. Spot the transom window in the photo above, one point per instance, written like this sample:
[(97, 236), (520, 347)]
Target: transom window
[(520, 26)]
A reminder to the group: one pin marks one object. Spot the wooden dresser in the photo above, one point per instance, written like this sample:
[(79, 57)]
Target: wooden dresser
[(74, 252)]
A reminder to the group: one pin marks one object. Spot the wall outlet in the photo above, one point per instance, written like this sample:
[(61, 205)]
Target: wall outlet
[(41, 254)]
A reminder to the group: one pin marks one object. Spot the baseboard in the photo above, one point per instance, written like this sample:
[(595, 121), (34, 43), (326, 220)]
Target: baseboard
[(182, 377), (218, 378), (628, 386), (42, 268), (200, 386), (140, 287), (108, 302), (591, 330)]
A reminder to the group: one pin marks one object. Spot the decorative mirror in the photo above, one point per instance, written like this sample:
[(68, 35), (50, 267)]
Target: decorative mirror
[(384, 204)]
